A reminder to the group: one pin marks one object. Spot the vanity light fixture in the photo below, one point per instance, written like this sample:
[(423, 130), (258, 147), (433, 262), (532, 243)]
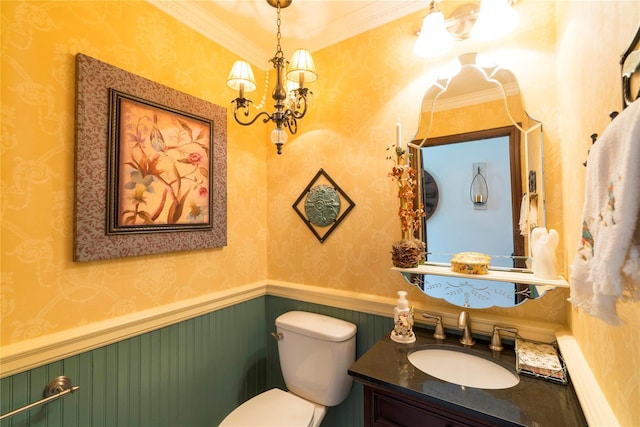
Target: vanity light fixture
[(479, 191), (433, 38), (479, 19), (290, 106), (495, 19)]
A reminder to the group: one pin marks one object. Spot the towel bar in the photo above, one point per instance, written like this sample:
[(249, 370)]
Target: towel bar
[(57, 388)]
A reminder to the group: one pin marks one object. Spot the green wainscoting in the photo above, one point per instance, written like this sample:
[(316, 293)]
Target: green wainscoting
[(188, 374)]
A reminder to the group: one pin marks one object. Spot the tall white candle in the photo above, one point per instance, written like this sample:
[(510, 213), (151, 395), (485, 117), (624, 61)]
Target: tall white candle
[(399, 133)]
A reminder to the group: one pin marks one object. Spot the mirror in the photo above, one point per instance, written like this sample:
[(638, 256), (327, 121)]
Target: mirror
[(478, 176), (630, 62), (481, 158)]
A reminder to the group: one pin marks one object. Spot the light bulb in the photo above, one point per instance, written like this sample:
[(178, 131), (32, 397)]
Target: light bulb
[(495, 19), (434, 39)]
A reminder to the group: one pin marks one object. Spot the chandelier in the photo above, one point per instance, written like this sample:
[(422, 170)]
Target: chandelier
[(290, 106)]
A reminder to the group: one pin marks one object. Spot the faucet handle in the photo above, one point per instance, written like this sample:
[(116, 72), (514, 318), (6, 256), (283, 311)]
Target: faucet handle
[(496, 341), (439, 332)]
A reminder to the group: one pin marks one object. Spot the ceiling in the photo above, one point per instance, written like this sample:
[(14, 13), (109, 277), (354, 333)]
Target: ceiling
[(248, 27)]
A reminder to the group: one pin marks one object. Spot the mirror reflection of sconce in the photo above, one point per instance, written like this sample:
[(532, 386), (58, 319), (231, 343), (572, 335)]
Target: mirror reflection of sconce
[(479, 19), (479, 190)]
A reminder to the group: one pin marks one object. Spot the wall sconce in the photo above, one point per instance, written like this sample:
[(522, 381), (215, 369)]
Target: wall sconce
[(479, 191), (290, 105), (480, 20), (496, 19), (433, 38)]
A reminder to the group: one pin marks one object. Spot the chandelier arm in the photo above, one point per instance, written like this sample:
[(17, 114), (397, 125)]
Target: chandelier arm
[(291, 122), (301, 103), (246, 113)]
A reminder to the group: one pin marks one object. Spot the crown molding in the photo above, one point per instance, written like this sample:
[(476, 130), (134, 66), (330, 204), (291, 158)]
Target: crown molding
[(377, 13), (193, 15), (372, 14)]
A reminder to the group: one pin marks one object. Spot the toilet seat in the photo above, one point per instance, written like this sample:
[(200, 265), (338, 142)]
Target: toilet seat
[(275, 408)]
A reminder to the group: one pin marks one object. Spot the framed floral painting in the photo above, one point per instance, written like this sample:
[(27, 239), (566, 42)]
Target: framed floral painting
[(159, 167), (150, 166)]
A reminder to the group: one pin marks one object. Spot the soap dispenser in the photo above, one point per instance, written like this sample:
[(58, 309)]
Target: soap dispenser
[(403, 321)]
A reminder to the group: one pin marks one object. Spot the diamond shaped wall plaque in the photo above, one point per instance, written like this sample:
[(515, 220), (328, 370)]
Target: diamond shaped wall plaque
[(322, 205)]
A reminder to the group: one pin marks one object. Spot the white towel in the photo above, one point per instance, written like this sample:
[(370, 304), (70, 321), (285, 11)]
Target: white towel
[(528, 215), (607, 265), (524, 216), (533, 213)]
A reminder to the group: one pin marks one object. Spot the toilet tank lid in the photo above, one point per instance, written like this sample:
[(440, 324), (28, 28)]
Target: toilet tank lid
[(316, 325)]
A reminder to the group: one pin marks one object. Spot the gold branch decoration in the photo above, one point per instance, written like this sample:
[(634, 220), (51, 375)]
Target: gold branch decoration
[(409, 251)]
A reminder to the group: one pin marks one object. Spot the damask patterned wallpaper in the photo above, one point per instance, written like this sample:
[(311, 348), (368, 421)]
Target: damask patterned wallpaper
[(43, 291), (366, 83), (594, 37)]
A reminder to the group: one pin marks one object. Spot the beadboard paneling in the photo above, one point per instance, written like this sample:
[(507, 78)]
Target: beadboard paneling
[(191, 373), (198, 363)]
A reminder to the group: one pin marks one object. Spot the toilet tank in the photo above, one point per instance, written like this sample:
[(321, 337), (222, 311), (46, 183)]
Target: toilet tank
[(315, 353)]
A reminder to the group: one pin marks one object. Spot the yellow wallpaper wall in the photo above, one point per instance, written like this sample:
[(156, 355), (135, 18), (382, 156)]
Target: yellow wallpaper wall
[(593, 38), (43, 291), (366, 83)]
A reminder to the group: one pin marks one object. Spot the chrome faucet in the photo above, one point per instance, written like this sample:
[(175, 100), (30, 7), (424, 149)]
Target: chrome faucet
[(464, 323)]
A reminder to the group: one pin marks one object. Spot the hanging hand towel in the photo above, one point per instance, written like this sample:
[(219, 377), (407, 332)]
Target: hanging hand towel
[(607, 265), (524, 216), (533, 213)]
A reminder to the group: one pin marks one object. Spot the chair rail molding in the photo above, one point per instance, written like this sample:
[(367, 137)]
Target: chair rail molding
[(29, 354), (32, 353)]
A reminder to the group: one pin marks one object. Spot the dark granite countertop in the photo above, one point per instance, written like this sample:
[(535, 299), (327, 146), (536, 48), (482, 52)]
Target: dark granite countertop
[(533, 402)]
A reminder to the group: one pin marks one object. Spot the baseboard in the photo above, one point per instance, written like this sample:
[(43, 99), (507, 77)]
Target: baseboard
[(594, 404)]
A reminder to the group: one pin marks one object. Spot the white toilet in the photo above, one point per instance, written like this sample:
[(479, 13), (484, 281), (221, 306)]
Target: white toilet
[(315, 353)]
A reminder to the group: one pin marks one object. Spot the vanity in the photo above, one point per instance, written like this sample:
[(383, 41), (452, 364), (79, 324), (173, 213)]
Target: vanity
[(396, 393)]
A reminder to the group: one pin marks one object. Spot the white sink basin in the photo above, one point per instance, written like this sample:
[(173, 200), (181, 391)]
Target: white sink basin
[(462, 368)]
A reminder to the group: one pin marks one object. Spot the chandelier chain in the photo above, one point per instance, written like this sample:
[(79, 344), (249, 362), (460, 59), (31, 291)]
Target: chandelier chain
[(279, 53)]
